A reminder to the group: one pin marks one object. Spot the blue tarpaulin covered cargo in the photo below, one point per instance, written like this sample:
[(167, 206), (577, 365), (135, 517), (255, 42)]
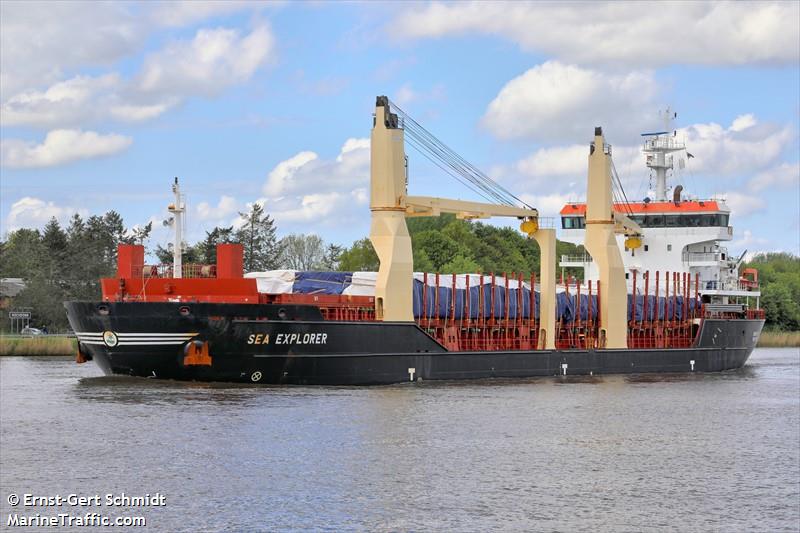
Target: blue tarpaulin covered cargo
[(313, 282)]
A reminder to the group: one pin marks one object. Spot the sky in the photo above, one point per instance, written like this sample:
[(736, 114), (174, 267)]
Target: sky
[(102, 104)]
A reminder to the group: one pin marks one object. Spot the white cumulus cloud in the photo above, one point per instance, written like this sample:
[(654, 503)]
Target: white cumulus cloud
[(554, 101), (745, 146), (306, 173), (622, 33), (743, 204), (332, 192), (556, 161), (59, 147), (30, 212), (563, 170), (282, 177), (748, 239), (183, 12), (225, 208), (549, 205), (741, 149), (784, 175), (212, 61), (78, 101), (42, 42)]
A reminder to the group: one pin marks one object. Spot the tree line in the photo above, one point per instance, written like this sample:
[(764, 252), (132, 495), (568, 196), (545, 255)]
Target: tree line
[(779, 278), (60, 264)]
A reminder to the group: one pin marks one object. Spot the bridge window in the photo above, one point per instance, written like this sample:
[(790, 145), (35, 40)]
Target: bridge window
[(681, 221), (573, 223), (691, 220)]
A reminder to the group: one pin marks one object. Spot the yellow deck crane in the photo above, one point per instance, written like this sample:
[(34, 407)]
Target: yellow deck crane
[(390, 204), (602, 225)]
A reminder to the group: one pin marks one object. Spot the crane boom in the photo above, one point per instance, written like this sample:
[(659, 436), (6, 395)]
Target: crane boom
[(427, 206)]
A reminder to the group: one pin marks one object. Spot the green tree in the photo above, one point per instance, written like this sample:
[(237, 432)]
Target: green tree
[(138, 234), (190, 255), (439, 248), (302, 252), (45, 297), (54, 239), (257, 236), (21, 255), (781, 311), (332, 257), (207, 248), (779, 279), (422, 263), (360, 257), (461, 265)]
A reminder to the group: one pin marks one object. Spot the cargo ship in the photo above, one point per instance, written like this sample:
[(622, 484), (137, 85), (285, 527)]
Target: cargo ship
[(216, 323)]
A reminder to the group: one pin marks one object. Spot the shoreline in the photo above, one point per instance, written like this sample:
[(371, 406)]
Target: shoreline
[(779, 339), (67, 346), (36, 346)]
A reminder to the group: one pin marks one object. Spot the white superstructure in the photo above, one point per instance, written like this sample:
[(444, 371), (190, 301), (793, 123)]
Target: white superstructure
[(679, 235)]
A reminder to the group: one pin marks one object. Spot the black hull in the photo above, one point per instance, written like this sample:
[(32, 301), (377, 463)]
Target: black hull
[(271, 344)]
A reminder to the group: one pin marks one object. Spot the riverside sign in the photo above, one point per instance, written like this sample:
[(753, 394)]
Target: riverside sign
[(19, 320)]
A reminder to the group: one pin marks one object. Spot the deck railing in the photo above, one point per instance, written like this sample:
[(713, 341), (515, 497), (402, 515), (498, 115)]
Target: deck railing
[(189, 270)]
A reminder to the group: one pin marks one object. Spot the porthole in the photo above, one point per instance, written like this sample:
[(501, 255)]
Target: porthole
[(282, 313), (102, 309), (184, 311)]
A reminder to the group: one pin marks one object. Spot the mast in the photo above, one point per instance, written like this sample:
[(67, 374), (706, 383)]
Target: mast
[(656, 148), (177, 208)]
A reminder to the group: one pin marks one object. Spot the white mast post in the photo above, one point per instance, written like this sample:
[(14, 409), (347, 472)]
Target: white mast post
[(177, 209)]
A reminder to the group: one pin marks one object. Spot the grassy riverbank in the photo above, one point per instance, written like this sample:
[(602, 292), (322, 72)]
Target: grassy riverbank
[(66, 345), (37, 346), (779, 339)]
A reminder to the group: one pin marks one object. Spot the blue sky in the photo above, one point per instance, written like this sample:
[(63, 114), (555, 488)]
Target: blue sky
[(102, 104)]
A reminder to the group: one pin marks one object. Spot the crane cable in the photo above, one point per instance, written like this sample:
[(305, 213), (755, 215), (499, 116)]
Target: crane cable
[(452, 163), (619, 191)]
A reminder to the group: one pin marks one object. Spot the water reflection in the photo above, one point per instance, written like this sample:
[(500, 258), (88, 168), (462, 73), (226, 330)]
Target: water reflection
[(746, 372), (567, 453), (134, 390)]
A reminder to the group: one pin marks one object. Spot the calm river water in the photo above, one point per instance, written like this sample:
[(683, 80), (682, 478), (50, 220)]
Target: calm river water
[(666, 453)]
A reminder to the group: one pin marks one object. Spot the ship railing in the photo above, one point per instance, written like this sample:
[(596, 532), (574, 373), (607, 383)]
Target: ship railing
[(576, 258), (547, 222), (725, 310), (748, 284), (741, 285), (703, 257), (189, 270), (663, 143)]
